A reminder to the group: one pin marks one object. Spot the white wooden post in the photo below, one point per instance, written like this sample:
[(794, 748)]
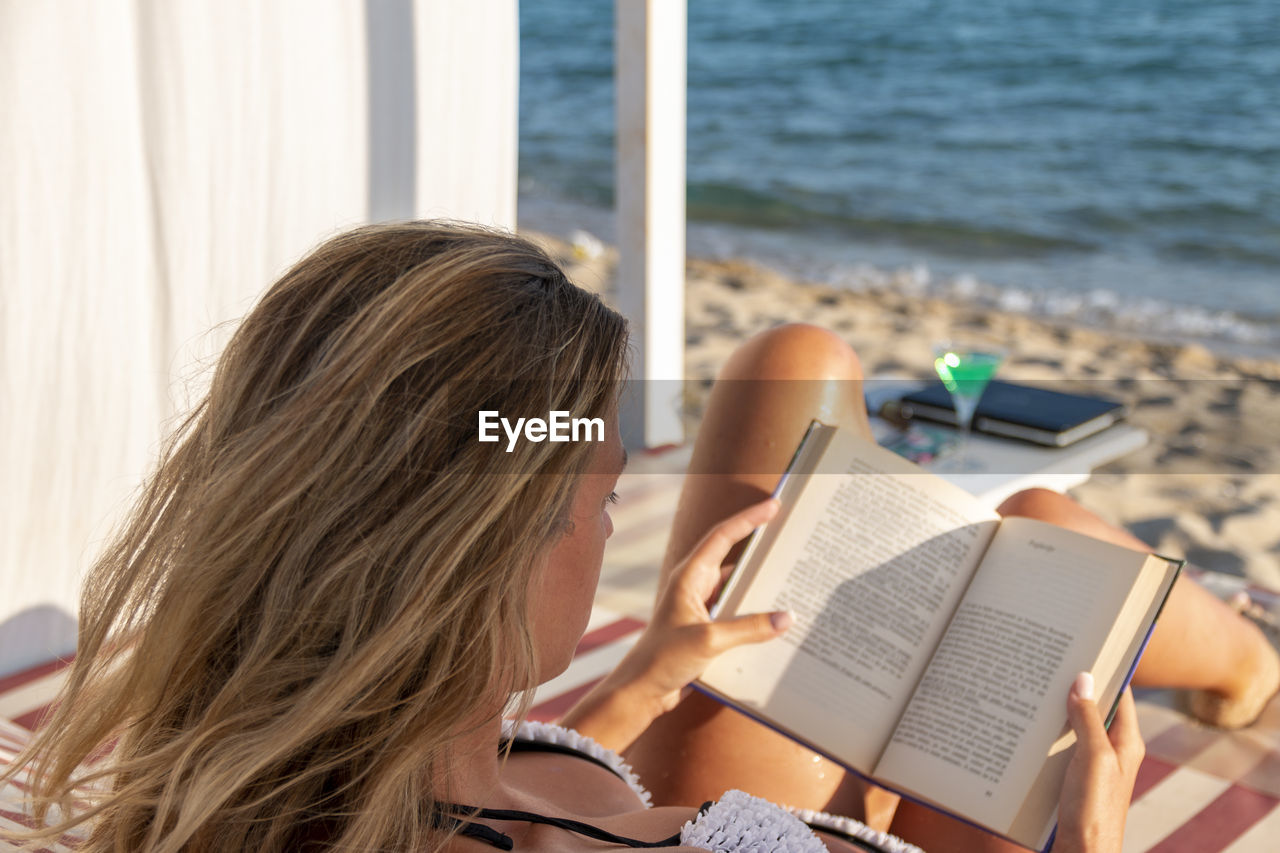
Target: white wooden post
[(650, 180), (393, 109)]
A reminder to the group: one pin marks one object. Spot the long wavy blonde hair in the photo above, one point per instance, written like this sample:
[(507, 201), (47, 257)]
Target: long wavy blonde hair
[(325, 581)]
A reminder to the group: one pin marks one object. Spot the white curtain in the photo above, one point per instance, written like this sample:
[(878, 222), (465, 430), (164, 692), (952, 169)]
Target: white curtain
[(161, 162)]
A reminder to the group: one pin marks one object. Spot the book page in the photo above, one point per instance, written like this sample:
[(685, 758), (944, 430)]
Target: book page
[(871, 563), (1119, 657), (991, 706)]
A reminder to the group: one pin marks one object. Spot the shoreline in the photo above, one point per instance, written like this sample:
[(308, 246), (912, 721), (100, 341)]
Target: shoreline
[(1027, 285), (1206, 487)]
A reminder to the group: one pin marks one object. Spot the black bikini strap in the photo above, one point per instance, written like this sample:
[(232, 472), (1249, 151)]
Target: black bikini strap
[(487, 834), (520, 745), (503, 842), (478, 831)]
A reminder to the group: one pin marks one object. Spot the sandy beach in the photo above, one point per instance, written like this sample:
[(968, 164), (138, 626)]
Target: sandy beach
[(1206, 487)]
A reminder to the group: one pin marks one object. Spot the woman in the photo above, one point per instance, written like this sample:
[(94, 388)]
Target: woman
[(307, 633)]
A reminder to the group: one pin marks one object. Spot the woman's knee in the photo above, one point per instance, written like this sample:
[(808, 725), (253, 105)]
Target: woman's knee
[(1035, 503), (1057, 508), (794, 351)]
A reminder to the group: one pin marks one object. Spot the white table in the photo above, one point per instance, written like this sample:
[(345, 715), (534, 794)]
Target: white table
[(1010, 466)]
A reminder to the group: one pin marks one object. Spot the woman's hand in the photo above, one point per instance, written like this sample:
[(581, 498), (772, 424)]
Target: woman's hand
[(1099, 782), (681, 640), (678, 643)]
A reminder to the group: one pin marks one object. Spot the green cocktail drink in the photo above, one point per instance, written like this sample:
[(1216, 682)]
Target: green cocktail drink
[(966, 373)]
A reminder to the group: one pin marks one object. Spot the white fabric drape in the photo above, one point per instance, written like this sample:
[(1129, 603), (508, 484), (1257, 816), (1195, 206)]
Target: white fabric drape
[(161, 162)]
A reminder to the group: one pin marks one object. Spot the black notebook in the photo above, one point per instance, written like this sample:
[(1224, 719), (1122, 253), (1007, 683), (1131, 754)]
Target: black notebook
[(1025, 412)]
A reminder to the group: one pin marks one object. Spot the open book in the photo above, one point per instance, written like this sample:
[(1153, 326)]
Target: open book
[(934, 644)]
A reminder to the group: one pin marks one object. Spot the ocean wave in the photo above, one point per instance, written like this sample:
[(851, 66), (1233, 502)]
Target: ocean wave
[(1039, 289), (1100, 308), (789, 208), (1263, 255)]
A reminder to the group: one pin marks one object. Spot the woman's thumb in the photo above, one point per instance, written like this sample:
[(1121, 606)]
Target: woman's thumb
[(1082, 711), (755, 628)]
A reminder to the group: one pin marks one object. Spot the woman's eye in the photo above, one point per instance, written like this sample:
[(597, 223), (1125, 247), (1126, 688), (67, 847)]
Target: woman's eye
[(613, 498)]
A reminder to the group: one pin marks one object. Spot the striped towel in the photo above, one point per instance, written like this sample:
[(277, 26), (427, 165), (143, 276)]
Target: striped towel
[(24, 697)]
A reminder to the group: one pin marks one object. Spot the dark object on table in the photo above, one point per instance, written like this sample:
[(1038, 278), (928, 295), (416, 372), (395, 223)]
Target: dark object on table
[(1010, 410)]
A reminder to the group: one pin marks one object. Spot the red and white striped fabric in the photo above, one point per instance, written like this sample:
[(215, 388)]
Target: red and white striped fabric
[(1204, 790), (24, 699)]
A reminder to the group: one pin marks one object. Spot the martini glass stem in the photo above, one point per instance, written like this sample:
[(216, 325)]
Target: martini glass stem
[(965, 406)]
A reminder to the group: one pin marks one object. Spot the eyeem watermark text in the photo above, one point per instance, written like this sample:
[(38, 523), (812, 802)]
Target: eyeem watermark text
[(558, 426)]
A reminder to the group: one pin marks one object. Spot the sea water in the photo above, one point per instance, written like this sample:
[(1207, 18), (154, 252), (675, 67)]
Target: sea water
[(1115, 161)]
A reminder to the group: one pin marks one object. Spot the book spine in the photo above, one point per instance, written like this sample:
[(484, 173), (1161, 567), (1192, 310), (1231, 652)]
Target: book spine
[(815, 426)]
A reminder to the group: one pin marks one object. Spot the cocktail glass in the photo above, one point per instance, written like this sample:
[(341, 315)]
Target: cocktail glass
[(965, 369)]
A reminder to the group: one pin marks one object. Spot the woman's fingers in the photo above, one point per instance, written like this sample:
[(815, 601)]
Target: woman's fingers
[(1125, 736), (1082, 711), (1124, 740), (702, 574), (681, 639), (1099, 781), (715, 546)]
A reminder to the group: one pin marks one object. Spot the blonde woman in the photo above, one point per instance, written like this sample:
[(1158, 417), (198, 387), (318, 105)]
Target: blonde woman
[(330, 590)]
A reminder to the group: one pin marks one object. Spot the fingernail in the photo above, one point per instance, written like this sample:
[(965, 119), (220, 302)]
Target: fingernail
[(781, 620), (1084, 685)]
